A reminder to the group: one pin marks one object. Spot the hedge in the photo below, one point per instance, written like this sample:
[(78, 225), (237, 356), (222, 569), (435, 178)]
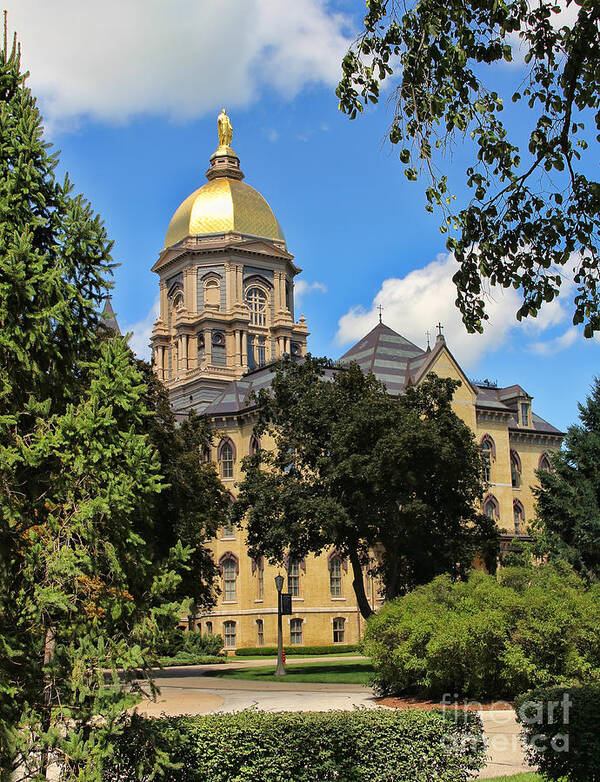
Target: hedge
[(191, 658), (563, 740), (254, 746), (271, 651)]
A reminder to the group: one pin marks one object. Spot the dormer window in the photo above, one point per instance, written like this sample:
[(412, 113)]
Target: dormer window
[(524, 414)]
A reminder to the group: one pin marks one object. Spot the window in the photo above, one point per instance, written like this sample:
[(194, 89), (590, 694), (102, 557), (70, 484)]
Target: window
[(296, 632), (490, 508), (519, 516), (335, 577), (524, 414), (254, 445), (228, 530), (208, 626), (257, 304), (294, 578), (211, 294), (229, 633), (229, 579), (227, 460), (544, 463), (486, 452), (260, 632), (260, 583), (338, 630), (515, 469)]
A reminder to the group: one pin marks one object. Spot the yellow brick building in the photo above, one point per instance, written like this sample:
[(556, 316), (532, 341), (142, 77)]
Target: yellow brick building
[(226, 314)]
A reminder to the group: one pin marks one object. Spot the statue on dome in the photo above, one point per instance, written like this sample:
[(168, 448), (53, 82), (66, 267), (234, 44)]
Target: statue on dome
[(224, 129)]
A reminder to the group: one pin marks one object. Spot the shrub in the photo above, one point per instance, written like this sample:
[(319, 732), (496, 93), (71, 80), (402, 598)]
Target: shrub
[(563, 738), (176, 641), (490, 636), (269, 651), (191, 658), (252, 746)]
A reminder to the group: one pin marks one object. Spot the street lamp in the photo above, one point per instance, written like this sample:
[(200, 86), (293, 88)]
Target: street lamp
[(280, 671)]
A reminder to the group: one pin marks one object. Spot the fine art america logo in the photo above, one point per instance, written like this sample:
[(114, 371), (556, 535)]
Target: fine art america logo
[(500, 714)]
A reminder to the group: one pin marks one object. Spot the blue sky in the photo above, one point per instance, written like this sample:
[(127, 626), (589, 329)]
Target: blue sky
[(130, 92)]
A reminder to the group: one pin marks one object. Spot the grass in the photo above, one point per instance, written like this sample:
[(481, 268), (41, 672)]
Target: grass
[(341, 672)]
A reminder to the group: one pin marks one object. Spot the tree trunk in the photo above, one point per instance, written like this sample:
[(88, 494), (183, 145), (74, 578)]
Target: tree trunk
[(359, 586), (47, 712)]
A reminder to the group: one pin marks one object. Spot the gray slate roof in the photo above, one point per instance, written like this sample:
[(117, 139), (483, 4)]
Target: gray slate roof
[(396, 362)]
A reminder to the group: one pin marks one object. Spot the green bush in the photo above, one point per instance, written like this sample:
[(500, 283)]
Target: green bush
[(563, 739), (490, 636), (254, 746), (176, 641), (191, 658), (270, 651)]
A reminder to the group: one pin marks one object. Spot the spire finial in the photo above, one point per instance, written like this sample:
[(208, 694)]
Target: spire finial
[(427, 334), (440, 336), (380, 308)]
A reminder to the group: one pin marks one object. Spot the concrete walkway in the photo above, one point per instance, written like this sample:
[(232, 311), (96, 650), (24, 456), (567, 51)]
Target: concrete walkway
[(188, 690)]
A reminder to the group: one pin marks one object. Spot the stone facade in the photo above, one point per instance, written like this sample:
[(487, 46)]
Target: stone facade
[(226, 313)]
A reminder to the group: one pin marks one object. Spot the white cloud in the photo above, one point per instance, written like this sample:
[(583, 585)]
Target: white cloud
[(302, 288), (141, 331), (122, 58), (557, 344), (412, 305)]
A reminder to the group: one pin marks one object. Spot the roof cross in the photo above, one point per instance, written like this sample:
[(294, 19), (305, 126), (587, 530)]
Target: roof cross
[(380, 308), (439, 328)]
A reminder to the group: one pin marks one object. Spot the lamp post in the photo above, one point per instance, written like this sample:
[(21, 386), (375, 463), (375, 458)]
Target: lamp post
[(280, 671)]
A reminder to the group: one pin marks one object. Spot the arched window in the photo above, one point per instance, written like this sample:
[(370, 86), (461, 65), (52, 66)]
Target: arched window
[(519, 516), (254, 446), (296, 632), (256, 299), (515, 469), (229, 567), (488, 452), (544, 463), (212, 293), (335, 576), (178, 301), (229, 580), (258, 567), (260, 632), (491, 507), (294, 577), (208, 628), (226, 457), (229, 633), (338, 630)]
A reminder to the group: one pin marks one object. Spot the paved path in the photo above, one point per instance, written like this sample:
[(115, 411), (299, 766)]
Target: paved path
[(188, 690)]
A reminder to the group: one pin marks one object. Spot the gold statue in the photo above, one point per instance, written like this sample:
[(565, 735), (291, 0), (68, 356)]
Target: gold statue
[(225, 130)]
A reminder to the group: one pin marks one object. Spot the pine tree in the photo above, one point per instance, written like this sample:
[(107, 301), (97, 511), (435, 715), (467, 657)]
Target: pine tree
[(93, 569), (568, 498)]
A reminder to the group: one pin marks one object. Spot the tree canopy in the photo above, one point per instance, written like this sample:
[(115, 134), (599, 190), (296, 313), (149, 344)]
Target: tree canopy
[(567, 526), (359, 470), (533, 217)]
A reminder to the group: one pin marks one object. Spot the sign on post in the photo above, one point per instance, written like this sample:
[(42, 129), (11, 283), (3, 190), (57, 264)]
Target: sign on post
[(286, 603)]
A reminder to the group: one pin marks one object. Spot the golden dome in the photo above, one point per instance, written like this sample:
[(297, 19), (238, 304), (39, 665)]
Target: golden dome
[(223, 204)]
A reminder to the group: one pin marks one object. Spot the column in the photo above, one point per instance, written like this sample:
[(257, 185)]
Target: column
[(194, 290), (184, 351), (245, 349), (239, 295), (228, 287), (162, 352), (237, 346), (286, 345), (163, 300), (276, 291), (282, 290)]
